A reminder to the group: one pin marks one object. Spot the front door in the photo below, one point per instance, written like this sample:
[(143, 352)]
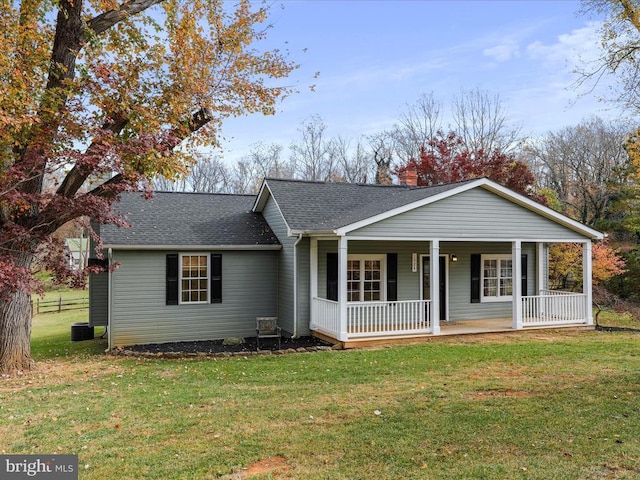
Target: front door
[(426, 283)]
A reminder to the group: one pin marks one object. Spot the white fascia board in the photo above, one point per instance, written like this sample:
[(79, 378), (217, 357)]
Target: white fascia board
[(290, 232), (114, 246), (408, 207), (541, 209), (262, 197), (320, 234), (261, 201), (492, 187), (462, 239)]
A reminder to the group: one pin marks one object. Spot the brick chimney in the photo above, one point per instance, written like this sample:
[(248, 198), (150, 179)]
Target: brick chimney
[(409, 178)]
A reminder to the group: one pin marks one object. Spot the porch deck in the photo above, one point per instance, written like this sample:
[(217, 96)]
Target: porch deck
[(366, 322), (448, 329)]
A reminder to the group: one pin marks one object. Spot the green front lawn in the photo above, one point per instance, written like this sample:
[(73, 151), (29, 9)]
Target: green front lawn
[(536, 405)]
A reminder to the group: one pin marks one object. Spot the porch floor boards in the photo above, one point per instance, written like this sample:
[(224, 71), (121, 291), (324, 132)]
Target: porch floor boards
[(447, 329)]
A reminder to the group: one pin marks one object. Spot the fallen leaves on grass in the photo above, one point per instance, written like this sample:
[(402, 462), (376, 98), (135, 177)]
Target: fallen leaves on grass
[(271, 465)]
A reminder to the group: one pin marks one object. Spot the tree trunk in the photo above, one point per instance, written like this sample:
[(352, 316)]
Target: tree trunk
[(15, 328)]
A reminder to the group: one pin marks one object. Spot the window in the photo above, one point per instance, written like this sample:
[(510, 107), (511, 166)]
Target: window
[(365, 278), (497, 278), (194, 278), (186, 278)]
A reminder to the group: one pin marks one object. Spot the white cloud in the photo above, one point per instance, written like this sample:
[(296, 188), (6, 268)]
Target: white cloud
[(501, 53), (579, 46)]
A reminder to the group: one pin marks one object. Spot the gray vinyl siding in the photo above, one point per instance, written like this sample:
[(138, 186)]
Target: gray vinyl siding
[(543, 284), (285, 266), (459, 273), (408, 281), (304, 287), (99, 299), (474, 214), (98, 289), (460, 306), (140, 314)]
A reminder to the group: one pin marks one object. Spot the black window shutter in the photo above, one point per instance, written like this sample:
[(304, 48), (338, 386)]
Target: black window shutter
[(216, 278), (523, 290), (172, 279), (475, 278), (332, 276), (392, 277)]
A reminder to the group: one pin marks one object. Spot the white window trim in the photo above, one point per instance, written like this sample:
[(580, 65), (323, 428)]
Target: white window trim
[(498, 298), (383, 275), (194, 254)]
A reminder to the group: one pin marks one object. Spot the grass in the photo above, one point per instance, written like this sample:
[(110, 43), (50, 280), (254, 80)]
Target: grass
[(535, 405), (610, 318)]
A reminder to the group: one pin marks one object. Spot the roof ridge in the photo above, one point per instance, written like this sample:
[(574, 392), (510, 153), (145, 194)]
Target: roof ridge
[(321, 182), (199, 193)]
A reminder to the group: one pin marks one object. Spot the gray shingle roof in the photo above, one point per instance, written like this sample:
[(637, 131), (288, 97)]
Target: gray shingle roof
[(318, 206), (189, 219)]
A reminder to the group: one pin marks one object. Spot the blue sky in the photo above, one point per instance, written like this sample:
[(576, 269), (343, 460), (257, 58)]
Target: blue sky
[(377, 57)]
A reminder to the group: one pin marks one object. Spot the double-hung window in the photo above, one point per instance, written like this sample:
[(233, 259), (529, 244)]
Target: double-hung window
[(497, 278), (365, 278), (194, 278)]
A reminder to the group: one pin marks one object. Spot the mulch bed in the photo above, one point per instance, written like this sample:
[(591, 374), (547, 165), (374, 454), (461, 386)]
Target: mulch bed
[(219, 348), (604, 328)]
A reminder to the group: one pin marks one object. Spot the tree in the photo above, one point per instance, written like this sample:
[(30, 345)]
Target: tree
[(310, 155), (565, 264), (449, 161), (482, 124), (207, 174), (102, 94), (587, 167), (416, 127), (262, 161), (620, 45), (353, 166), (382, 147)]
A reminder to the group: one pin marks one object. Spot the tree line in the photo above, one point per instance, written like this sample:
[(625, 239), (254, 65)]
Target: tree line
[(584, 171)]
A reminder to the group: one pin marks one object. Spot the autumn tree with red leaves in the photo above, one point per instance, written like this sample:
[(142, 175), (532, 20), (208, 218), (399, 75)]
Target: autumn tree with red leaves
[(98, 98), (565, 264), (447, 160)]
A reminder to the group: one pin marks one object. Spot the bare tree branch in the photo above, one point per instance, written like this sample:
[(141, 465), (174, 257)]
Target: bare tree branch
[(106, 20)]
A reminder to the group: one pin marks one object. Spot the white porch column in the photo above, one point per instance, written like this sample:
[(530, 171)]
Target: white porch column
[(541, 283), (516, 286), (313, 276), (434, 287), (587, 273), (342, 287)]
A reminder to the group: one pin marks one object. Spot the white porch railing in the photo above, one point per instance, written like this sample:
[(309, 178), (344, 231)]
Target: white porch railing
[(325, 316), (413, 317), (368, 319), (409, 317), (554, 307)]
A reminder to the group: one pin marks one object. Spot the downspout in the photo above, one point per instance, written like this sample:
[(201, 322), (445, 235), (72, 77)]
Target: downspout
[(109, 292), (295, 286)]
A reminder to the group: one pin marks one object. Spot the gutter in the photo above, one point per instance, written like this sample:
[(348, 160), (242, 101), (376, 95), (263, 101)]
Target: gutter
[(109, 303), (295, 286), (197, 248)]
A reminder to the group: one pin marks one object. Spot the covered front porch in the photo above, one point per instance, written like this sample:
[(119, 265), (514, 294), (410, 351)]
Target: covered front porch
[(381, 289)]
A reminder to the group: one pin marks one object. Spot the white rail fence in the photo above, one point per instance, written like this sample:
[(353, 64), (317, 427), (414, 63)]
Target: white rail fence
[(413, 317), (554, 307), (366, 319), (325, 316), (388, 318)]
